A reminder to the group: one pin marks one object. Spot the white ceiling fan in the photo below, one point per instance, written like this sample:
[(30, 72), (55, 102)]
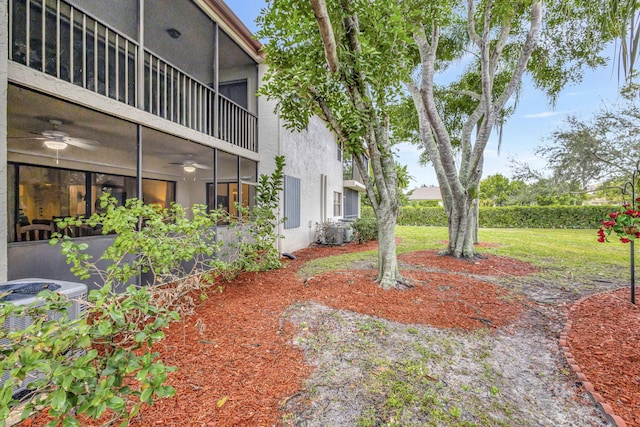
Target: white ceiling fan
[(189, 165), (55, 139)]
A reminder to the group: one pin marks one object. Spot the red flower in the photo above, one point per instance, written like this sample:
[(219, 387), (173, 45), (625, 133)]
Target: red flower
[(625, 240), (601, 239), (614, 215), (638, 235), (608, 224)]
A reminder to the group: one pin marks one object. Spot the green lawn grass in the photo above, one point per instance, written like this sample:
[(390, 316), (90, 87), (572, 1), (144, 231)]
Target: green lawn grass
[(577, 251)]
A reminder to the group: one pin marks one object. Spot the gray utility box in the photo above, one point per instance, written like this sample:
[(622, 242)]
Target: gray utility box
[(24, 292)]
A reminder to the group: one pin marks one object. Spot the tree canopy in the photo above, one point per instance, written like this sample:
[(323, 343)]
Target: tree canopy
[(339, 61), (461, 63), (602, 148)]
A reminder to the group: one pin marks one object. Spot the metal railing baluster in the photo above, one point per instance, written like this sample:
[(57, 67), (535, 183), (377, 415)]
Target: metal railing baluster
[(168, 92), (43, 45), (58, 54)]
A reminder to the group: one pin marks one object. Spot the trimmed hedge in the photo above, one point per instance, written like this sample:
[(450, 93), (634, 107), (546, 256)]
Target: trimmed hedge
[(587, 217)]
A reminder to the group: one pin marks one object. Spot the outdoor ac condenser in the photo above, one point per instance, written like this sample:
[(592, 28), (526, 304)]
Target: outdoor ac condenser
[(23, 292)]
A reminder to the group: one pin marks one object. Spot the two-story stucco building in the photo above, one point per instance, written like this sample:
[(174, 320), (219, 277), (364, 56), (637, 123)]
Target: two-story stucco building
[(153, 99)]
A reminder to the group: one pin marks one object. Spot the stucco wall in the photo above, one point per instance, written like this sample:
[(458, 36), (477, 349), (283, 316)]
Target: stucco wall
[(309, 155), (121, 15)]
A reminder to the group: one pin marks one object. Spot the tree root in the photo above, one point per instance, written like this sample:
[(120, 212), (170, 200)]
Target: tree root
[(475, 256), (399, 283)]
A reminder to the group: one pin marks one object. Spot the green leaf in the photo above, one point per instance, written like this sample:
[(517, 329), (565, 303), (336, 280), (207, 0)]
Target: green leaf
[(116, 403), (146, 395), (70, 422), (58, 399)]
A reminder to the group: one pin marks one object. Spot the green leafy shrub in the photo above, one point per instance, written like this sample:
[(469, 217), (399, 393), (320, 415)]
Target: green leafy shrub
[(582, 217), (147, 239), (88, 365), (102, 364), (418, 215), (256, 229), (103, 361), (366, 229)]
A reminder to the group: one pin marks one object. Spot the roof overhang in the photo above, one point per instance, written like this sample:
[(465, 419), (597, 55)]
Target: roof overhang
[(233, 26), (354, 185)]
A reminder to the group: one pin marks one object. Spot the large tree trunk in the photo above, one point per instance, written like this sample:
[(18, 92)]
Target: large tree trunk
[(461, 229), (388, 272)]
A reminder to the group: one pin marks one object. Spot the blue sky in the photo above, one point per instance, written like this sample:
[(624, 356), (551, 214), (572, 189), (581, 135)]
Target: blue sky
[(533, 120)]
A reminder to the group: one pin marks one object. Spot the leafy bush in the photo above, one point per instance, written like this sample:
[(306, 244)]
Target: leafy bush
[(256, 229), (366, 228), (103, 361), (88, 365), (148, 239), (410, 215), (424, 203), (102, 364), (585, 217)]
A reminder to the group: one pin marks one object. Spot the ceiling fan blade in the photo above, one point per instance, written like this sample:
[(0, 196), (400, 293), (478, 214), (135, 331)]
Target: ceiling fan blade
[(200, 166), (38, 138), (86, 144)]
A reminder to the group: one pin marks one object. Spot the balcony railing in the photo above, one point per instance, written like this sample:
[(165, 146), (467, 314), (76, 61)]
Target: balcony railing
[(174, 95), (56, 38)]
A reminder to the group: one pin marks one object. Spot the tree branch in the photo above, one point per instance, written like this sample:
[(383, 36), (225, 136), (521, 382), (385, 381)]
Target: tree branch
[(326, 32), (493, 108), (471, 29), (443, 153), (426, 135), (529, 45), (327, 115)]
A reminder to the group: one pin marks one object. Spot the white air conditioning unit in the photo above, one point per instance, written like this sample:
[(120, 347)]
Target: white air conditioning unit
[(24, 292)]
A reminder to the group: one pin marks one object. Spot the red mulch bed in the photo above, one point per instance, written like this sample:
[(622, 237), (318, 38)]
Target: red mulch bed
[(236, 365), (605, 342), (488, 265)]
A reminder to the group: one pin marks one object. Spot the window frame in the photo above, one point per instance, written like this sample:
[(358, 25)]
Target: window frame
[(337, 204)]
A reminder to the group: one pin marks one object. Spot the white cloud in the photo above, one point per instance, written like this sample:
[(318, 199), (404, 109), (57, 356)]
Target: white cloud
[(543, 115)]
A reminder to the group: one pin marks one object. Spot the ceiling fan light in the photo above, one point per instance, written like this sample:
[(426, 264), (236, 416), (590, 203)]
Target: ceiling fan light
[(55, 145), (189, 168)]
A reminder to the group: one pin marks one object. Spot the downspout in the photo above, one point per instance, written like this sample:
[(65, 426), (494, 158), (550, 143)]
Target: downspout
[(140, 105), (281, 204)]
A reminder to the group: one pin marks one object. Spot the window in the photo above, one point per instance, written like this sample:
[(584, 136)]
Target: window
[(235, 91), (120, 187), (337, 204), (227, 196), (347, 168), (291, 202), (159, 193), (339, 145), (42, 194), (351, 203), (48, 193)]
